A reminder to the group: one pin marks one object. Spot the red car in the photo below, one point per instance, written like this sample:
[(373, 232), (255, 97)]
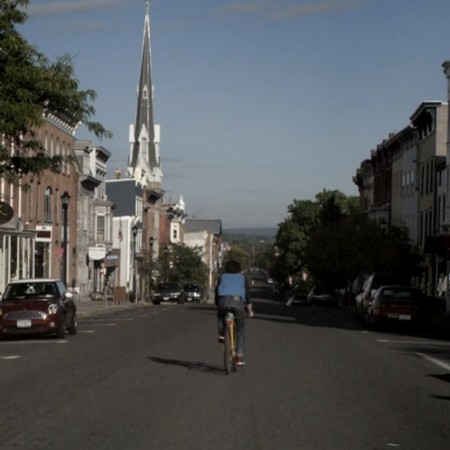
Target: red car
[(37, 306), (396, 304)]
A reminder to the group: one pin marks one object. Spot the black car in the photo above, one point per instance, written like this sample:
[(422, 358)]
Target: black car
[(38, 306), (297, 300), (322, 295), (193, 292), (169, 291)]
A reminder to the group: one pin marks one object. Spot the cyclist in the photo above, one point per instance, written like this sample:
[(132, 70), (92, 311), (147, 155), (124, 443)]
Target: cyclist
[(233, 292)]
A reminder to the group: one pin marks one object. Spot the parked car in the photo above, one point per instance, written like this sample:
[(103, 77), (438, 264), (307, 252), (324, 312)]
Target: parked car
[(193, 292), (170, 291), (320, 295), (370, 286), (297, 300), (397, 304), (39, 306)]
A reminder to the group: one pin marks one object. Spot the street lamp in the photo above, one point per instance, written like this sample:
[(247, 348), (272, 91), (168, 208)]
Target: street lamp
[(151, 240), (65, 206), (134, 230)]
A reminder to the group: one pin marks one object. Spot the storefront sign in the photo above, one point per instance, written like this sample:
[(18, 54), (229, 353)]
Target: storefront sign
[(97, 253)]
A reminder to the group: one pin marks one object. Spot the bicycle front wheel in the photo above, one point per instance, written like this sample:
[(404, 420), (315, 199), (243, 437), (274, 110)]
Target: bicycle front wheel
[(228, 351)]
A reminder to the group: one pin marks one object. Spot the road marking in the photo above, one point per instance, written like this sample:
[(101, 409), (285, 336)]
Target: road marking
[(436, 361), (59, 341), (103, 319), (10, 357), (86, 331), (393, 341)]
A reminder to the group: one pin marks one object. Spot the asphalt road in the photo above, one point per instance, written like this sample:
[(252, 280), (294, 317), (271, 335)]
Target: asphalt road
[(152, 378)]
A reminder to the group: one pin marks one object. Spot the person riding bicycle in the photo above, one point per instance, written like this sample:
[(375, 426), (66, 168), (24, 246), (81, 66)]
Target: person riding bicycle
[(233, 293)]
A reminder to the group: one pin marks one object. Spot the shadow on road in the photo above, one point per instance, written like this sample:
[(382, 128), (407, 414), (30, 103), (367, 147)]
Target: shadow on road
[(190, 365), (313, 316), (443, 377)]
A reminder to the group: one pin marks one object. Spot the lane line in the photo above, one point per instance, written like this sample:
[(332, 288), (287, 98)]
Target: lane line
[(436, 361), (103, 319), (393, 341), (59, 341), (10, 357)]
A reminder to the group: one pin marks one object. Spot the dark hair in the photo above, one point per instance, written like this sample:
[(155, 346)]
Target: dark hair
[(232, 266)]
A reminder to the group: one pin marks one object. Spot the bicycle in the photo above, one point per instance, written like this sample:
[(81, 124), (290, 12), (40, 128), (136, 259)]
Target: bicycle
[(229, 344)]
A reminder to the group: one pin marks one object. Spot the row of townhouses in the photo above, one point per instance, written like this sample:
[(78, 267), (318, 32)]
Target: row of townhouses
[(92, 230), (406, 183)]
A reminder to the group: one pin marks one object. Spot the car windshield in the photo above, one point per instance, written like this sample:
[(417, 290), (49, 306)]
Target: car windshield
[(388, 279), (401, 294), (169, 286), (24, 291), (191, 287), (322, 291)]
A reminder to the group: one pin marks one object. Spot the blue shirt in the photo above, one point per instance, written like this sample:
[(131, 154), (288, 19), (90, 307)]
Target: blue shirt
[(232, 284)]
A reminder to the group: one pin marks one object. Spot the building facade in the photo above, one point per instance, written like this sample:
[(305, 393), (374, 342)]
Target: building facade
[(32, 241)]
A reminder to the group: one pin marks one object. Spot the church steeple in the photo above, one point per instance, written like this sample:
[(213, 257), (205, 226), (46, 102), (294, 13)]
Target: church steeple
[(144, 160)]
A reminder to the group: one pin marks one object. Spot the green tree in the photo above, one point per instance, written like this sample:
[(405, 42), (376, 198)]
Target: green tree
[(319, 237), (31, 88), (339, 252), (292, 238), (265, 257), (183, 264), (242, 256)]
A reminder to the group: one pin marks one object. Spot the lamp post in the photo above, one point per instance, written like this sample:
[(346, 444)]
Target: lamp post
[(151, 240), (65, 206), (134, 230)]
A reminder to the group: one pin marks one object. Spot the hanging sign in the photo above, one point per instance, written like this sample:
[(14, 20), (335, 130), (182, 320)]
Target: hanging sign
[(97, 252)]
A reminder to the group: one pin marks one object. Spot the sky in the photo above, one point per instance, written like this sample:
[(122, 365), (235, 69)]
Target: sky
[(260, 102)]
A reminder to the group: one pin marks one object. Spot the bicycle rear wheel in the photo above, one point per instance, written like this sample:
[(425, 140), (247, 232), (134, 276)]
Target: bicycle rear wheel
[(228, 356)]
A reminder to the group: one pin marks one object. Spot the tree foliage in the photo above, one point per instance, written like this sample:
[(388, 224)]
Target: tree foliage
[(183, 264), (240, 254), (31, 88), (331, 242)]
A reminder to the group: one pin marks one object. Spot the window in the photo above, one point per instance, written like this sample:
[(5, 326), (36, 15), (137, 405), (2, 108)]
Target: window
[(48, 196), (101, 228)]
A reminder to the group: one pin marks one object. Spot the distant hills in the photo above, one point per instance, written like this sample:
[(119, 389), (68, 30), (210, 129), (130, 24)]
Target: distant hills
[(252, 232)]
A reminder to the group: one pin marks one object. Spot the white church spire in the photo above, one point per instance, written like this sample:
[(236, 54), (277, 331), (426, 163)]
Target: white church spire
[(144, 160)]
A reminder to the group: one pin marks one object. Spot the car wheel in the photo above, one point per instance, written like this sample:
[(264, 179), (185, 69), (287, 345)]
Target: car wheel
[(73, 327), (370, 322), (61, 331)]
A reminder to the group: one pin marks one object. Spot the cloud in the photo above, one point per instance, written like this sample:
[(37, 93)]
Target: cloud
[(47, 8), (288, 9)]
